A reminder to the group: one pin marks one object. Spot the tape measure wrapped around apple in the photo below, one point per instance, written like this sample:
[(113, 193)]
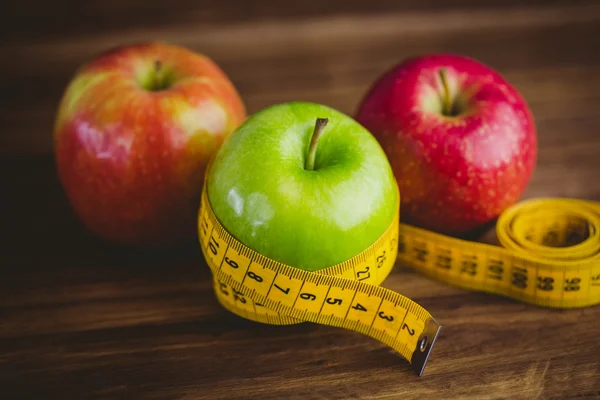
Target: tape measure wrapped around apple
[(294, 234), (299, 221)]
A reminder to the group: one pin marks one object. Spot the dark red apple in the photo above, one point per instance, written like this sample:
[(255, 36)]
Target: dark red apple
[(135, 130), (461, 140)]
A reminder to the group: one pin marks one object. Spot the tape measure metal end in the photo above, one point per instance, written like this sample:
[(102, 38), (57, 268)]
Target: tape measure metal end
[(425, 345)]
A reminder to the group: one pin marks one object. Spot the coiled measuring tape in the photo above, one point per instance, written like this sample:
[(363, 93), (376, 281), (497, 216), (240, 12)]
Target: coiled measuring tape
[(550, 255), (348, 295)]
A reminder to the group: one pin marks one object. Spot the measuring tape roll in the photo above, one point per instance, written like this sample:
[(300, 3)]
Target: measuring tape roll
[(551, 257), (346, 295)]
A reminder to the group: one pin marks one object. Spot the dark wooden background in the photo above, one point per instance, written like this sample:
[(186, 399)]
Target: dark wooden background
[(83, 319)]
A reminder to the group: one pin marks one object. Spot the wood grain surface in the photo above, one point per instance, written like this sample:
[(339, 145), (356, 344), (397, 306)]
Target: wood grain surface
[(84, 319)]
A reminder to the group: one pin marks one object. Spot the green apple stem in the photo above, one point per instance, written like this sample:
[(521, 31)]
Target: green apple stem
[(447, 99), (312, 149)]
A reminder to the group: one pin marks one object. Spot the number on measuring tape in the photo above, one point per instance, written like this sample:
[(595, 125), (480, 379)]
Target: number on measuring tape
[(519, 276), (596, 280), (254, 276), (469, 265), (231, 263), (286, 291), (411, 332), (444, 259), (421, 252), (572, 285), (223, 288), (381, 259), (333, 301), (496, 269), (213, 245), (545, 283), (204, 225), (365, 274), (308, 296), (238, 296), (359, 307), (386, 317)]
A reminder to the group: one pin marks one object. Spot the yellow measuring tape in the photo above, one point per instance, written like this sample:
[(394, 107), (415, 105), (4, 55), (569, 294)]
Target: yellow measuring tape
[(550, 255), (532, 267)]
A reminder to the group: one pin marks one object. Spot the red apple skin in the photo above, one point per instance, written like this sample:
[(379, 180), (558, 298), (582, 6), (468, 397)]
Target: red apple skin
[(132, 160), (455, 173)]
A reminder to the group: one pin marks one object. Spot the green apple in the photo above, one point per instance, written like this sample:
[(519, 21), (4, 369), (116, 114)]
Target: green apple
[(303, 184)]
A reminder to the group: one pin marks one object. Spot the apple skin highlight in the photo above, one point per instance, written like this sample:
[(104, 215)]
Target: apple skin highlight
[(132, 142), (455, 172)]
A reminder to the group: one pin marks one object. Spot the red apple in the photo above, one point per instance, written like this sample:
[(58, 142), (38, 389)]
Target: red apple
[(461, 140), (135, 129)]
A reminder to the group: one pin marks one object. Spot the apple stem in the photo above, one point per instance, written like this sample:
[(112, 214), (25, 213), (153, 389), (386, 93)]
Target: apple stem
[(447, 99), (157, 74), (312, 149)]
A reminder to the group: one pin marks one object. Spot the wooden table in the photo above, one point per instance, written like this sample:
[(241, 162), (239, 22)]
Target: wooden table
[(84, 319)]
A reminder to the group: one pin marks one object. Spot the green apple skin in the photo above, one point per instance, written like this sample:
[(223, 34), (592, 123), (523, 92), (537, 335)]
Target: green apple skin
[(262, 194)]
